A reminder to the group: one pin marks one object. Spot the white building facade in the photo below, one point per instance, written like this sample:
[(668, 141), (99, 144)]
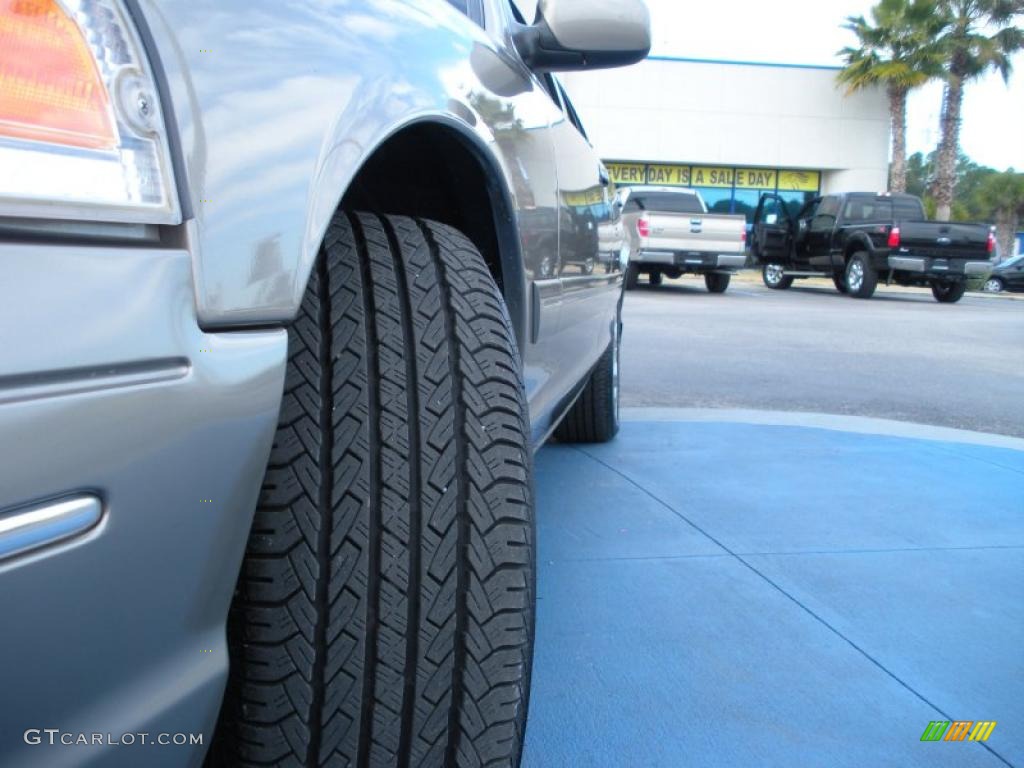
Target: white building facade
[(734, 129)]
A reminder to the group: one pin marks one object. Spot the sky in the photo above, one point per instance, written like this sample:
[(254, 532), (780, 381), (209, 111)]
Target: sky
[(810, 32)]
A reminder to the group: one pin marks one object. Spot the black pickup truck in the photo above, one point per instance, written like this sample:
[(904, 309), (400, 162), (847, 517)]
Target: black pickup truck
[(859, 238)]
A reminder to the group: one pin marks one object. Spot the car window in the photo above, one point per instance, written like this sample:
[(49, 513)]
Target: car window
[(859, 209), (570, 111), (908, 209), (662, 202), (471, 8)]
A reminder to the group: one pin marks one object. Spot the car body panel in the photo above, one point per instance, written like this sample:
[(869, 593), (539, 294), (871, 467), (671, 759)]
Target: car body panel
[(148, 373), (109, 387)]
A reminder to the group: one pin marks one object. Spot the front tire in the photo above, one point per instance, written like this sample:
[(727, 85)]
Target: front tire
[(948, 293), (839, 281), (861, 277), (384, 610), (654, 278), (993, 285), (594, 417), (774, 277), (716, 282)]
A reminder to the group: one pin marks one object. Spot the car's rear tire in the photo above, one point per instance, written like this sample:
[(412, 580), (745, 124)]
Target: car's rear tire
[(594, 417), (654, 278), (632, 275), (716, 282), (993, 285), (775, 278), (839, 281), (385, 607), (949, 293), (861, 277)]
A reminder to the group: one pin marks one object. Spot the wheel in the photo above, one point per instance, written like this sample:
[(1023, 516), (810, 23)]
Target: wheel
[(594, 417), (774, 276), (993, 285), (839, 280), (588, 266), (632, 275), (384, 611), (949, 293), (716, 282), (861, 277), (654, 278)]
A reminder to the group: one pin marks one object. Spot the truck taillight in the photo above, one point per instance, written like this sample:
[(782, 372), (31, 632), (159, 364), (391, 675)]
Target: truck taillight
[(894, 237), (990, 244), (643, 227), (743, 236)]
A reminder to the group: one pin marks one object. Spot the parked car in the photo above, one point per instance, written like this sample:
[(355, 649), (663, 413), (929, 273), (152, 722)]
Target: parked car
[(1007, 276), (671, 233), (278, 347), (859, 238)]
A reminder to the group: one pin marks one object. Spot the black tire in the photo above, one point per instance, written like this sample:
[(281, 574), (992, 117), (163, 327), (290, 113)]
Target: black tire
[(861, 277), (654, 278), (771, 275), (594, 417), (839, 280), (632, 275), (716, 282), (385, 607), (949, 293)]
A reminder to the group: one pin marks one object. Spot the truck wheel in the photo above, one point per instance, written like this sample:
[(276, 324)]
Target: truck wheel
[(861, 278), (632, 275), (949, 293), (654, 278), (716, 282), (594, 417), (839, 280), (384, 611), (774, 276), (993, 285)]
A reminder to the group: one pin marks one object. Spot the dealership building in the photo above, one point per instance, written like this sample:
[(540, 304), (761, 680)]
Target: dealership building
[(734, 129)]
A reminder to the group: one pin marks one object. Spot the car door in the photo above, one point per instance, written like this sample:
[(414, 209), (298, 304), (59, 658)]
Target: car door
[(591, 278), (820, 229), (772, 230)]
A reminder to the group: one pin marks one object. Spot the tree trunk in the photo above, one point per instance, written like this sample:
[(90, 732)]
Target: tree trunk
[(1007, 222), (898, 115), (949, 147)]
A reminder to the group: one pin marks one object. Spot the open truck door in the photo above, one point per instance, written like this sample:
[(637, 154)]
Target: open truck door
[(772, 230)]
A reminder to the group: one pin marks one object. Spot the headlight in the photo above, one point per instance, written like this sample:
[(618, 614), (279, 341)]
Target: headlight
[(82, 134)]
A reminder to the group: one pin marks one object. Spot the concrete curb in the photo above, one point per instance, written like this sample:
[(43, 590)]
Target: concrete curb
[(859, 424)]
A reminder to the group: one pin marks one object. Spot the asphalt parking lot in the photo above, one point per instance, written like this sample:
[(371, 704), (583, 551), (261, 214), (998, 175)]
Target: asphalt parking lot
[(722, 587), (900, 355)]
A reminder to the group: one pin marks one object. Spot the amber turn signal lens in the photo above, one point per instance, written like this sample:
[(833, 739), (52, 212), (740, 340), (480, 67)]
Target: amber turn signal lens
[(50, 89)]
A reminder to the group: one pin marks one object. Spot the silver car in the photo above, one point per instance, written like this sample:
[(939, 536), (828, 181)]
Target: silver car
[(277, 343)]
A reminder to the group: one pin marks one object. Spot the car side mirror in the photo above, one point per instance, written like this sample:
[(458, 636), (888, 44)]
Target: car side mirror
[(570, 35)]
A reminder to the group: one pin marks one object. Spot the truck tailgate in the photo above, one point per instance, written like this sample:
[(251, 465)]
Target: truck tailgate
[(936, 239), (697, 232)]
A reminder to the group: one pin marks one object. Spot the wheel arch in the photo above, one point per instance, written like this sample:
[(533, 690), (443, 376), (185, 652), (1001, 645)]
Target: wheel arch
[(859, 242), (436, 167)]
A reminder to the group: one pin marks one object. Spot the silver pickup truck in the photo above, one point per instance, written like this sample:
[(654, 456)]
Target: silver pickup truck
[(671, 233)]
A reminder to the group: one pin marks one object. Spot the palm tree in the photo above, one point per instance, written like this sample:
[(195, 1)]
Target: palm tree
[(1003, 193), (978, 35), (896, 50)]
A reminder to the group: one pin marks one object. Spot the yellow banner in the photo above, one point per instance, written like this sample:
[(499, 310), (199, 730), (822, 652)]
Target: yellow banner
[(755, 178), (708, 176), (591, 196), (627, 173), (798, 181), (669, 175)]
